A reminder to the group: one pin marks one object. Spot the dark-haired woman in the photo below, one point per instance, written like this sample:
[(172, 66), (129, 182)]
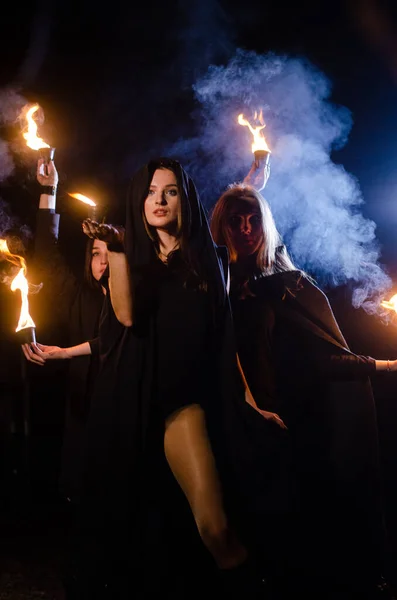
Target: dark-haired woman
[(163, 459)]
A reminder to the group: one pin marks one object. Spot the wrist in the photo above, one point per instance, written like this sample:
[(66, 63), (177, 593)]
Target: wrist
[(50, 190)]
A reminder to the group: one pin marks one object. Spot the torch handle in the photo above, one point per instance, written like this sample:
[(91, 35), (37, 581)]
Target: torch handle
[(93, 213), (261, 158)]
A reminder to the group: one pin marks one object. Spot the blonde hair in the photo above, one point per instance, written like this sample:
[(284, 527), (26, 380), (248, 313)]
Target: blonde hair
[(271, 256)]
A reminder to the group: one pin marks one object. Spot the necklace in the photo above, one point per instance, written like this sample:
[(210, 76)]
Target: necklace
[(163, 257)]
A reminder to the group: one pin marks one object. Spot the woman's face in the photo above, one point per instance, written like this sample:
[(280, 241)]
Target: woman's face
[(99, 259), (244, 224), (162, 205)]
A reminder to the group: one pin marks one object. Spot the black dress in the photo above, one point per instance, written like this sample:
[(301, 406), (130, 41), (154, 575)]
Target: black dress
[(299, 365), (129, 488)]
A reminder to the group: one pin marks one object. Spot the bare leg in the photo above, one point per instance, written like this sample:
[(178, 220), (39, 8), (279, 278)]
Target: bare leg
[(189, 454)]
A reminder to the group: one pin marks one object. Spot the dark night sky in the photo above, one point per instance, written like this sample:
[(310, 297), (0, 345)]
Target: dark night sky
[(120, 68), (115, 84)]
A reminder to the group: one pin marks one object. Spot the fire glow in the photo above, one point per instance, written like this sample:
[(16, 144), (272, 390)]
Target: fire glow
[(390, 304), (83, 198), (20, 283), (86, 200), (259, 143), (31, 137), (33, 140)]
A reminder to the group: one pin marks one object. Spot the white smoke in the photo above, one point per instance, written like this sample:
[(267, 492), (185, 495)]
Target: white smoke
[(316, 202), (11, 103)]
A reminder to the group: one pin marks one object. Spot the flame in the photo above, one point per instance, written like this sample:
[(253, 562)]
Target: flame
[(83, 199), (32, 140), (259, 142), (390, 304), (12, 258), (19, 283)]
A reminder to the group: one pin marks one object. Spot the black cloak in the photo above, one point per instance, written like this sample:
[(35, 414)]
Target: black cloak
[(66, 312), (323, 392), (180, 350)]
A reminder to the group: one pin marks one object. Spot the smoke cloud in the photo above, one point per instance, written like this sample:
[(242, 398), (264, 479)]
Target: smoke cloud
[(316, 202), (11, 103), (16, 233)]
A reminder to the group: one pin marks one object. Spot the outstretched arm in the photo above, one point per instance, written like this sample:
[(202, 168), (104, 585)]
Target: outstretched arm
[(349, 364), (40, 353)]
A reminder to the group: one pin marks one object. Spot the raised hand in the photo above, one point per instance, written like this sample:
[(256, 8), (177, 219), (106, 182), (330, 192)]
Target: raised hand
[(111, 234), (258, 175), (40, 353), (47, 173)]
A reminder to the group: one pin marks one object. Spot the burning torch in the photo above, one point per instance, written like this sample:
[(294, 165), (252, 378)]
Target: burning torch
[(93, 212), (260, 169), (32, 139), (26, 329)]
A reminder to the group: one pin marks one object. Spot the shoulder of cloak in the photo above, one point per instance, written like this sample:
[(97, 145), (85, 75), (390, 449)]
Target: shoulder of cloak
[(315, 310)]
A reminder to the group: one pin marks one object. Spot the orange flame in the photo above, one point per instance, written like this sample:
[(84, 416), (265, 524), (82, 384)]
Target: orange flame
[(19, 283), (32, 140), (259, 142), (83, 199), (390, 304)]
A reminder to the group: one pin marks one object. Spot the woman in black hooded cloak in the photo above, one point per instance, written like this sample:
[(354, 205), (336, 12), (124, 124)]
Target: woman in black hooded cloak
[(169, 412), (298, 363)]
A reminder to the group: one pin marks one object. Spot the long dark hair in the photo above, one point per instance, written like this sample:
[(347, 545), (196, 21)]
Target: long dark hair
[(195, 244), (89, 279), (195, 272)]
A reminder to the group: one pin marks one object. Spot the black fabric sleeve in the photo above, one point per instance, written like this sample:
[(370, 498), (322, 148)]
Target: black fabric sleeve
[(47, 229), (94, 345), (48, 266), (311, 313), (346, 365), (333, 362)]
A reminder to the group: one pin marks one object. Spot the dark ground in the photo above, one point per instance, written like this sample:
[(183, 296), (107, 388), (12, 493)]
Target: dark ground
[(34, 527), (34, 522), (32, 547)]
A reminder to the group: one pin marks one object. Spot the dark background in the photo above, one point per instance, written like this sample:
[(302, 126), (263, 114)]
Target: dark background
[(115, 85)]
